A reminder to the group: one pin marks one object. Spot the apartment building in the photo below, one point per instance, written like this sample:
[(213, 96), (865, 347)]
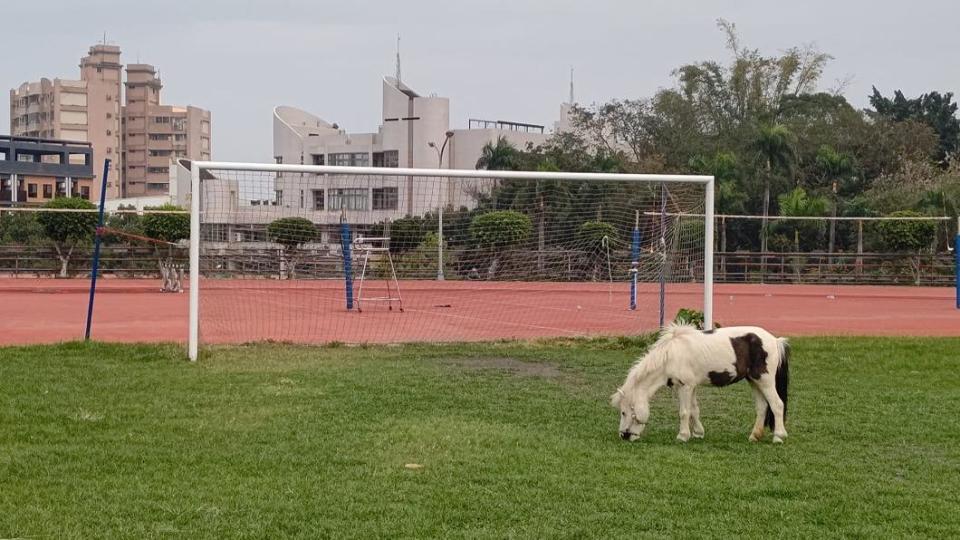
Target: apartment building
[(92, 110), (84, 110), (35, 170), (155, 134)]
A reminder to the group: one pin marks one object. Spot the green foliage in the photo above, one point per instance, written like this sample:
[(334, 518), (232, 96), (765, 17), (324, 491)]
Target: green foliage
[(597, 236), (689, 316), (20, 228), (166, 227), (68, 227), (292, 232), (500, 230), (933, 109), (126, 222), (910, 236), (501, 156)]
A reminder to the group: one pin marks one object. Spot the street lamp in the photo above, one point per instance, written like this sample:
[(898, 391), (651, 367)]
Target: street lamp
[(447, 136)]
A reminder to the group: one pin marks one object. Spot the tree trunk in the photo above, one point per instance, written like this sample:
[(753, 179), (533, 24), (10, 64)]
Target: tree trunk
[(492, 269), (64, 259), (763, 226), (859, 263)]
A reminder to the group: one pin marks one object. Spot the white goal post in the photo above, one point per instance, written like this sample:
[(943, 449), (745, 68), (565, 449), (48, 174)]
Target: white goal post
[(202, 171)]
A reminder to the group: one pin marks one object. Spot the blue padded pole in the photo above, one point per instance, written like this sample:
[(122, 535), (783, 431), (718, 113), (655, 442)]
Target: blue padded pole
[(635, 262), (345, 243), (96, 248)]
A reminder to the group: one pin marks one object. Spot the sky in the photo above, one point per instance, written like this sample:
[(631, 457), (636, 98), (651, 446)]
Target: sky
[(501, 60)]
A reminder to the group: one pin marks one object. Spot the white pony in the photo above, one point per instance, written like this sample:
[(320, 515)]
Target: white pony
[(685, 357)]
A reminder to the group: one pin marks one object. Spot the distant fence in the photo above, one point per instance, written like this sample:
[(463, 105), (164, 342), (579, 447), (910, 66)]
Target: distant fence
[(926, 269)]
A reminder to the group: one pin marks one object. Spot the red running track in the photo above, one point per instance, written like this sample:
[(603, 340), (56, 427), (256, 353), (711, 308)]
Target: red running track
[(52, 310)]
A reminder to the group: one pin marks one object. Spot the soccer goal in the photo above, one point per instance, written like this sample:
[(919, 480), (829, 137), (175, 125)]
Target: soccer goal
[(283, 253)]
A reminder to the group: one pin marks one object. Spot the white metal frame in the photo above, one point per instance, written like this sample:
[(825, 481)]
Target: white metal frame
[(366, 245), (197, 166)]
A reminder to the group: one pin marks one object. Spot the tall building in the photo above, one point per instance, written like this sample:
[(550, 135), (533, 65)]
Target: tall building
[(85, 110), (91, 110), (155, 134)]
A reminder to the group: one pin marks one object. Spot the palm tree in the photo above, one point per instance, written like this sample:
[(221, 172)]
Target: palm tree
[(835, 165), (773, 145), (499, 156), (798, 204)]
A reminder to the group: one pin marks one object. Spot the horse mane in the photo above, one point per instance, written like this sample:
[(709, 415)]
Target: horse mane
[(658, 354)]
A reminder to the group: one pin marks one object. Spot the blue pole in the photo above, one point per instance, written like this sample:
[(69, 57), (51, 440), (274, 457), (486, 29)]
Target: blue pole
[(956, 270), (96, 247), (347, 261), (635, 266)]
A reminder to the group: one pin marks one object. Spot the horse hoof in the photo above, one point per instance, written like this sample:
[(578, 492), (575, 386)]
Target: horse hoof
[(697, 435), (683, 438), (754, 438), (777, 439)]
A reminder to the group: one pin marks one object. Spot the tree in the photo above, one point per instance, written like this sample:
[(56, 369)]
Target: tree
[(499, 156), (596, 238), (911, 236), (934, 109), (798, 203), (291, 233), (498, 231), (835, 167), (66, 229), (166, 227), (20, 228), (773, 146)]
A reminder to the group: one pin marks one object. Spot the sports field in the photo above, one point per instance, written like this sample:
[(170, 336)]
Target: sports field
[(501, 440)]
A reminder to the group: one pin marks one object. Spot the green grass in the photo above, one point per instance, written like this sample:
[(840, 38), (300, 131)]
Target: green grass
[(515, 441)]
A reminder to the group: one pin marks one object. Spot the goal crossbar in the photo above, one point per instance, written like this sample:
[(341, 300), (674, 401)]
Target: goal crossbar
[(195, 209)]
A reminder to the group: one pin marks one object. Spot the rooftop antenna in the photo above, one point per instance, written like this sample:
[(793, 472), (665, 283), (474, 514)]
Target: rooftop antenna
[(104, 37), (571, 85), (398, 58)]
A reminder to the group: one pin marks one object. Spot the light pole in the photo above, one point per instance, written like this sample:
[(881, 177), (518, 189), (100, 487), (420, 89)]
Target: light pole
[(447, 136)]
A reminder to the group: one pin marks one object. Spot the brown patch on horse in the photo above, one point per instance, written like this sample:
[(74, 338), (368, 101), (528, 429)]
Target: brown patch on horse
[(750, 361)]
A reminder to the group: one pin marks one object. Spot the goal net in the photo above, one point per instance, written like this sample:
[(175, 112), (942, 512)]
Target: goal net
[(319, 254)]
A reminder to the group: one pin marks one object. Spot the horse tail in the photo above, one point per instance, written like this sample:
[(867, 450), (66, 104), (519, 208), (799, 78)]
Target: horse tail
[(782, 379)]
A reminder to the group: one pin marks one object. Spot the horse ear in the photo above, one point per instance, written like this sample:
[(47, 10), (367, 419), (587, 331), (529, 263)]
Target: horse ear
[(616, 397)]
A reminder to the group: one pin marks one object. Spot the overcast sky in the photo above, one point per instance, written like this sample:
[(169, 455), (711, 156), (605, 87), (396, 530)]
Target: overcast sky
[(494, 59)]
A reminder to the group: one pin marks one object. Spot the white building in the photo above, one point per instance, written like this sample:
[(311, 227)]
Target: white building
[(412, 133)]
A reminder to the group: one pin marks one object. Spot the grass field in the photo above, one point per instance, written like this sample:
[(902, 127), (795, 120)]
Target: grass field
[(512, 440)]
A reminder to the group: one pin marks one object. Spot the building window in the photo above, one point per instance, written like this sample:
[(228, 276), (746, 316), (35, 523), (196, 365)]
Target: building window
[(387, 158), (159, 136), (301, 198), (348, 199), (85, 192), (161, 119), (349, 159), (278, 197), (47, 191), (180, 136), (278, 159), (158, 170), (160, 153), (32, 190), (317, 159), (179, 124), (318, 199), (385, 198)]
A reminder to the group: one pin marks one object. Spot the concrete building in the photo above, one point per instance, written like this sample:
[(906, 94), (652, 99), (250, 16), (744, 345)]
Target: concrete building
[(85, 110), (90, 110), (155, 134), (413, 130), (35, 170)]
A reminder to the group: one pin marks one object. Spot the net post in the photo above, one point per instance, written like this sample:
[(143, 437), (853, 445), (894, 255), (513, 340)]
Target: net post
[(96, 247), (347, 261), (440, 276), (663, 249), (708, 257), (956, 257), (194, 343)]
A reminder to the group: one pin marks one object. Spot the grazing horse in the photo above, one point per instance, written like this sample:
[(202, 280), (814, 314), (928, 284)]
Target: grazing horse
[(684, 357)]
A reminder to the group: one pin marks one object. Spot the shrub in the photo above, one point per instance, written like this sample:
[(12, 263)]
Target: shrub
[(500, 230), (906, 235), (292, 232)]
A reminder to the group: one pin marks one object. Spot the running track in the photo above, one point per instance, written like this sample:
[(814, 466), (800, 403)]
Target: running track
[(52, 310)]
